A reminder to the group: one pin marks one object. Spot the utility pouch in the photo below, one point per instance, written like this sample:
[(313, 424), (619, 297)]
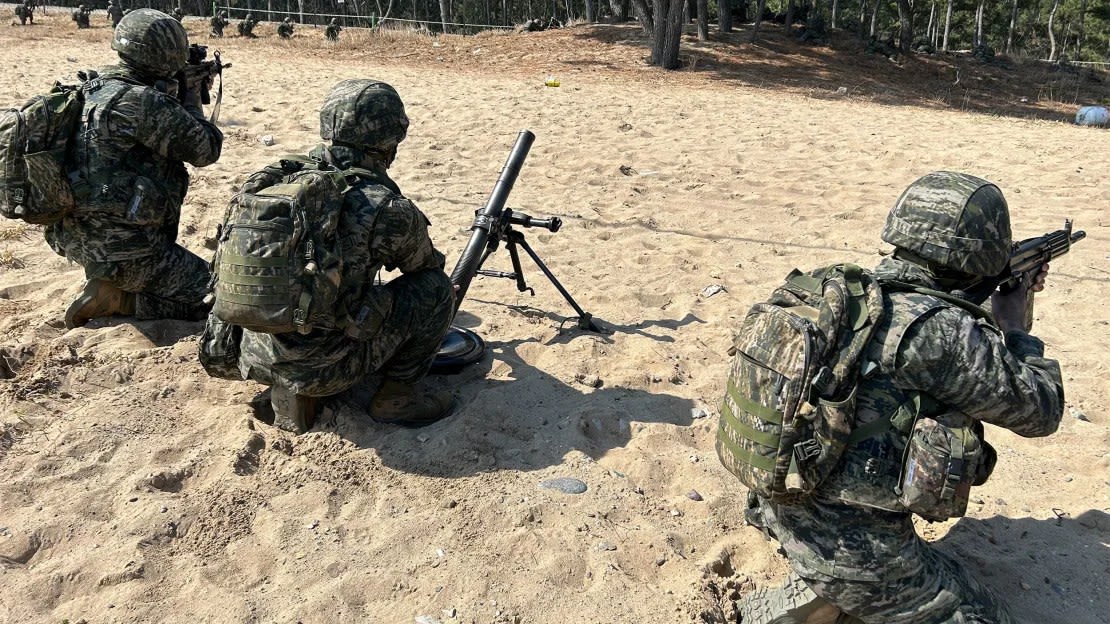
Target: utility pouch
[(941, 464)]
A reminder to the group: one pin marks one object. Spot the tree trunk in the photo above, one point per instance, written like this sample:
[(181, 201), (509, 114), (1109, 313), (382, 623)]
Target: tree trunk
[(591, 14), (620, 10), (643, 15), (982, 9), (760, 5), (947, 25), (724, 16), (932, 20), (1051, 34), (673, 35), (703, 20), (905, 19), (444, 13), (874, 16), (832, 25), (1082, 30), (659, 30), (1013, 23), (790, 9)]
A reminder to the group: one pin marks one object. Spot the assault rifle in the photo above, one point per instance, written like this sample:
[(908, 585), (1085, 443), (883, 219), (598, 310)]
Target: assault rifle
[(199, 74), (1030, 254), (493, 225)]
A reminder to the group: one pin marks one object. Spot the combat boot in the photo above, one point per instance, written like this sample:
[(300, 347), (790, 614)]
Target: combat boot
[(793, 603), (98, 299), (292, 412), (399, 403)]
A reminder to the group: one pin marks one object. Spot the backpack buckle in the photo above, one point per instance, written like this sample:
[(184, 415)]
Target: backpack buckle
[(821, 382), (807, 450), (299, 316)]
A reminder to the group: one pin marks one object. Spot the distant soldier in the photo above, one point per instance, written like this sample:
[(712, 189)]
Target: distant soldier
[(285, 28), (332, 31), (246, 27), (24, 13), (218, 22), (178, 14), (81, 16), (114, 13)]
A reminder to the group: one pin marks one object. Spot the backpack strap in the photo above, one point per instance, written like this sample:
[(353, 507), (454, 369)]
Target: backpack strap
[(978, 312)]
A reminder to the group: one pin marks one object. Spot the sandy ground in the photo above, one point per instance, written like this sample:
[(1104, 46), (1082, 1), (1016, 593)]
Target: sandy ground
[(133, 488)]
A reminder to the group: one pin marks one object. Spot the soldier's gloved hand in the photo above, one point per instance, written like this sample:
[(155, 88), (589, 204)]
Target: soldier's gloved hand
[(190, 97), (1012, 311)]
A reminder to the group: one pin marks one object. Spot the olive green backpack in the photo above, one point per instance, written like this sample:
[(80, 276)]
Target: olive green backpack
[(278, 265), (789, 407)]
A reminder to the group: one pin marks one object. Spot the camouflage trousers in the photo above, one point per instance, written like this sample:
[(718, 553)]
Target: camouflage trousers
[(323, 363), (170, 284), (872, 565)]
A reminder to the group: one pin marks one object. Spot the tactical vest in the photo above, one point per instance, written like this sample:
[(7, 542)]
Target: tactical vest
[(872, 472)]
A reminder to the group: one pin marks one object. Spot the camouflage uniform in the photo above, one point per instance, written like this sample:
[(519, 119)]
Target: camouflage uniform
[(25, 12), (852, 543), (246, 27), (130, 152), (285, 28), (178, 14), (332, 31), (81, 16), (114, 13), (394, 329), (218, 22)]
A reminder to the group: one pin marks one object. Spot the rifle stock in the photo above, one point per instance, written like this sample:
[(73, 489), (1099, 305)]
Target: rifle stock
[(488, 218)]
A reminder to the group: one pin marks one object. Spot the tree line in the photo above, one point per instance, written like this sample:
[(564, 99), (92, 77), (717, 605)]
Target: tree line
[(1054, 30)]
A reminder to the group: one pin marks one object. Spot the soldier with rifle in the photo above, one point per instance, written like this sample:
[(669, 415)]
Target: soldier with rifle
[(332, 31), (142, 121), (218, 22)]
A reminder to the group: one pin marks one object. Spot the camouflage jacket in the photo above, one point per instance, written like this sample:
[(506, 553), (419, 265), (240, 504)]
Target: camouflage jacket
[(130, 152), (964, 364), (378, 228)]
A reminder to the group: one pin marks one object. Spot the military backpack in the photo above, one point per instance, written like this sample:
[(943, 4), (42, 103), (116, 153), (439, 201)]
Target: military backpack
[(35, 143), (278, 267), (789, 407)]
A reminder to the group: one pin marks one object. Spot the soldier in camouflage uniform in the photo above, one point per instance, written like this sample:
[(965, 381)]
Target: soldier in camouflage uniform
[(81, 16), (130, 154), (114, 13), (218, 22), (397, 327), (246, 27), (25, 12), (852, 546), (332, 31), (285, 28)]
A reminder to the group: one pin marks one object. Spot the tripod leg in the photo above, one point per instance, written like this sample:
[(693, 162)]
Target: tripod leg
[(514, 256), (585, 319)]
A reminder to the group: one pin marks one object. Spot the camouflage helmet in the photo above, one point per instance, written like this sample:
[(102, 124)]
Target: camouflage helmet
[(288, 20), (958, 221), (364, 113), (152, 42), (334, 21)]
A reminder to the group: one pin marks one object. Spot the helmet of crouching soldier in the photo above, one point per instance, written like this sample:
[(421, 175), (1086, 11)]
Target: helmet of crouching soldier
[(152, 42), (367, 114), (955, 221)]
